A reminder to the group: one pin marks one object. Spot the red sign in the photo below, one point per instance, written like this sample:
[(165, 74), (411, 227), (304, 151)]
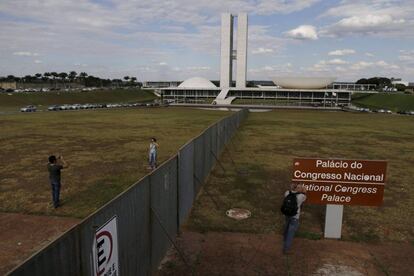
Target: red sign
[(339, 181)]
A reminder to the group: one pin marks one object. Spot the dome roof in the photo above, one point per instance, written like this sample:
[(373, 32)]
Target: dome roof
[(197, 83), (303, 82)]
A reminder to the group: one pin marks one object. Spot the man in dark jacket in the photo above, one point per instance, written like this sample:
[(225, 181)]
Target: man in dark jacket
[(54, 166)]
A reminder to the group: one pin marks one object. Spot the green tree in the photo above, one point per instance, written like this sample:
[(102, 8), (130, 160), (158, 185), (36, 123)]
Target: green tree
[(27, 78), (72, 76), (126, 78), (83, 76), (11, 78), (400, 87), (63, 77), (54, 75)]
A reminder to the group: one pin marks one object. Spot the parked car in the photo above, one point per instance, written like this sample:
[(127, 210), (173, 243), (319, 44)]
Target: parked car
[(29, 108), (75, 106), (65, 107), (53, 108)]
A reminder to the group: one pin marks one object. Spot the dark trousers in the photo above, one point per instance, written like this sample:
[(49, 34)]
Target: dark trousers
[(55, 192), (291, 225)]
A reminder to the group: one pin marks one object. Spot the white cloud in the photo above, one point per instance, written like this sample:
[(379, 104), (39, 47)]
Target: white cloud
[(163, 63), (261, 50), (324, 65), (80, 64), (37, 61), (371, 17), (361, 65), (269, 71), (198, 68), (25, 54), (406, 56), (368, 24), (342, 52), (304, 32), (369, 54), (280, 6), (336, 61)]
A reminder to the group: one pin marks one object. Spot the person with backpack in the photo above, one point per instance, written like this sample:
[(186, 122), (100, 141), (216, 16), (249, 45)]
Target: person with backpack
[(291, 206)]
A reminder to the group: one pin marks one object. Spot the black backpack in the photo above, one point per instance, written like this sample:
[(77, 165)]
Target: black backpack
[(290, 205)]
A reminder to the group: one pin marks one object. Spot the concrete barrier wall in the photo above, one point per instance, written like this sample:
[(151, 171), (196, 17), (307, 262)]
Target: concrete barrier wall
[(148, 215)]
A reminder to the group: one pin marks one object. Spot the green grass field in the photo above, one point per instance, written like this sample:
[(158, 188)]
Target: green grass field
[(258, 171), (394, 102), (15, 101), (106, 151)]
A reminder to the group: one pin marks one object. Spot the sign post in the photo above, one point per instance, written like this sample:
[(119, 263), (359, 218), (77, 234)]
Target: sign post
[(333, 221), (105, 249), (338, 182)]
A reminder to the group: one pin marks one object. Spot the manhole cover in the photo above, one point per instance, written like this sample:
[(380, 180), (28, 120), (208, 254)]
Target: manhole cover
[(238, 214)]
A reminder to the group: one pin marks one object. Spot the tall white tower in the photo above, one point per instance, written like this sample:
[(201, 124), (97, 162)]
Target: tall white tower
[(226, 65), (227, 52), (241, 50)]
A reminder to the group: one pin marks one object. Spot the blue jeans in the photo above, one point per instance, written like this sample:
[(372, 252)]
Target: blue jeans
[(291, 225), (55, 192), (153, 159)]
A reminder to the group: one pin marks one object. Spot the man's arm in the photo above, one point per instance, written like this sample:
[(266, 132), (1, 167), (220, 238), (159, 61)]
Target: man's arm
[(63, 162)]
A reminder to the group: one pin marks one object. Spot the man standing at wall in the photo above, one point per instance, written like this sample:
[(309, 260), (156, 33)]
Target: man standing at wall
[(54, 166)]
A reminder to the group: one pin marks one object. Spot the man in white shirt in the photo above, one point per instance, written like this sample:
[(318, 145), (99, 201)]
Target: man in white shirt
[(292, 222)]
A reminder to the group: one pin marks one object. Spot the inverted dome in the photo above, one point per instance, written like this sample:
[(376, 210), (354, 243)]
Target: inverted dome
[(303, 82), (197, 83)]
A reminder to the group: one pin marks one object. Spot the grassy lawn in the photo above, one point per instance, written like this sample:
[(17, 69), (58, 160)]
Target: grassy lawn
[(258, 171), (393, 102), (106, 150), (15, 101)]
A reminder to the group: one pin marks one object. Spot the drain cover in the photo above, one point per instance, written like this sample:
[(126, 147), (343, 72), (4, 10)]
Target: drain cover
[(238, 214)]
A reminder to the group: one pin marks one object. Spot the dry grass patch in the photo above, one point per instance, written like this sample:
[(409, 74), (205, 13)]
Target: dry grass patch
[(258, 171), (106, 150)]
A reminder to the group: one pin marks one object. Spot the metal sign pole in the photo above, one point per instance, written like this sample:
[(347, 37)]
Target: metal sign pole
[(333, 221)]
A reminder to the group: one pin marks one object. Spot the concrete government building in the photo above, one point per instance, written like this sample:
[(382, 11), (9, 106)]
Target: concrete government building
[(296, 91)]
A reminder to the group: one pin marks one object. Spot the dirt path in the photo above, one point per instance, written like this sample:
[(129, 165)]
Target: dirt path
[(23, 235), (251, 254)]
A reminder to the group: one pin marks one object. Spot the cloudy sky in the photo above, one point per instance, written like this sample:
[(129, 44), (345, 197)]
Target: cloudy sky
[(177, 39)]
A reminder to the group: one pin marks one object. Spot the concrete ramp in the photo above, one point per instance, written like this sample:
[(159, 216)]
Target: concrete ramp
[(222, 97), (223, 94)]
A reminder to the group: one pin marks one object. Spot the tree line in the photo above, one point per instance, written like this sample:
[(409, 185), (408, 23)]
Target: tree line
[(381, 83), (65, 79)]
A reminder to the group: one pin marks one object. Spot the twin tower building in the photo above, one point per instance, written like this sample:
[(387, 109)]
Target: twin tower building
[(229, 54)]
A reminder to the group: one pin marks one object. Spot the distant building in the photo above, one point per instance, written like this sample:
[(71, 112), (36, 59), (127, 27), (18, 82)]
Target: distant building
[(352, 86), (298, 91), (8, 85), (160, 84), (399, 81)]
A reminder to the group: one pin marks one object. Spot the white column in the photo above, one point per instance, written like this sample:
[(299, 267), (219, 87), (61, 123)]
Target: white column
[(241, 50), (226, 50)]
